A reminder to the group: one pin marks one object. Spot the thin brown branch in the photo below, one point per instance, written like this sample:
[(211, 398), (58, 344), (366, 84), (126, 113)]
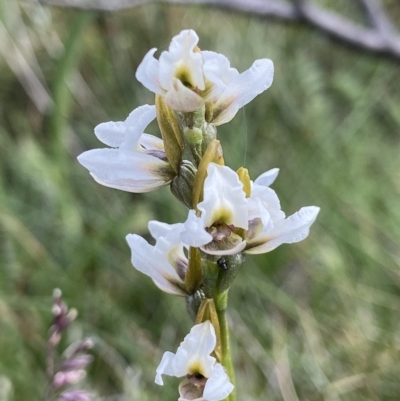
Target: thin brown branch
[(381, 38)]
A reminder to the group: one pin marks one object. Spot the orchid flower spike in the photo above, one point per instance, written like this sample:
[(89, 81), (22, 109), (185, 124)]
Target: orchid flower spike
[(206, 379), (136, 161), (165, 262), (235, 221), (190, 78)]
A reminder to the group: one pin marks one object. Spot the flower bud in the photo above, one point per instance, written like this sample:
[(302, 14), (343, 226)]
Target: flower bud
[(193, 303), (194, 136), (65, 378), (232, 265), (77, 363), (210, 133), (57, 293), (55, 336), (87, 343), (77, 347), (70, 317), (182, 184)]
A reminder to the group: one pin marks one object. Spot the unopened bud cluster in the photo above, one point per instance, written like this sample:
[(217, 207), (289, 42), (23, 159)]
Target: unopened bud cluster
[(70, 369)]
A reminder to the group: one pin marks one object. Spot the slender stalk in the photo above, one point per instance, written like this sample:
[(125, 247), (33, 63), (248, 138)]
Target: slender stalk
[(61, 93), (221, 302), (49, 395)]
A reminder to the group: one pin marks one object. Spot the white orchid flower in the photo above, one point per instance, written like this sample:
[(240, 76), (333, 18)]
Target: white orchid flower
[(237, 223), (188, 78), (136, 161), (224, 212), (165, 262), (206, 379)]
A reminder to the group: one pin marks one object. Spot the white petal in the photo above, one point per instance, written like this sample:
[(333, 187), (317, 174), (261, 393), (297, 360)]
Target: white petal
[(224, 198), (182, 62), (194, 233), (267, 178), (218, 71), (217, 68), (218, 385), (148, 260), (293, 229), (243, 90), (148, 72), (257, 210), (165, 367), (135, 124), (111, 133), (137, 172), (181, 98), (270, 201)]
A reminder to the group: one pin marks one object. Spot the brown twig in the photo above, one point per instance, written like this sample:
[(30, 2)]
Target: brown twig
[(380, 38)]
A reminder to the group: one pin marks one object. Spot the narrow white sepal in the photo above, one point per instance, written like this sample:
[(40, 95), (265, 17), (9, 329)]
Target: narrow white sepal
[(165, 367), (293, 229), (267, 178), (147, 72)]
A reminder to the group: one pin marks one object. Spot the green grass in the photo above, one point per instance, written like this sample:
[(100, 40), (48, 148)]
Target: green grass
[(319, 319)]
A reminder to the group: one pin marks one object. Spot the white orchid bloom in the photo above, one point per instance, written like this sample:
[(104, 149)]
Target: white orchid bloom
[(224, 212), (237, 223), (188, 78), (178, 75), (165, 262), (205, 377), (136, 161)]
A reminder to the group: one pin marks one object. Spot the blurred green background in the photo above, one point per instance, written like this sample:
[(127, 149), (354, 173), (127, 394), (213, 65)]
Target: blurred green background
[(318, 320)]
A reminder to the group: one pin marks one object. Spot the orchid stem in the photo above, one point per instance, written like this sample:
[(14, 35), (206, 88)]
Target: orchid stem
[(221, 302)]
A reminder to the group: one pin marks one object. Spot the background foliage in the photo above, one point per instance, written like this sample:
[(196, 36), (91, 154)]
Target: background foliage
[(318, 320)]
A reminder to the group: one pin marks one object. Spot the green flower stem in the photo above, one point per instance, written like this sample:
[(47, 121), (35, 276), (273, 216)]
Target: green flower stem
[(221, 303), (61, 93)]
